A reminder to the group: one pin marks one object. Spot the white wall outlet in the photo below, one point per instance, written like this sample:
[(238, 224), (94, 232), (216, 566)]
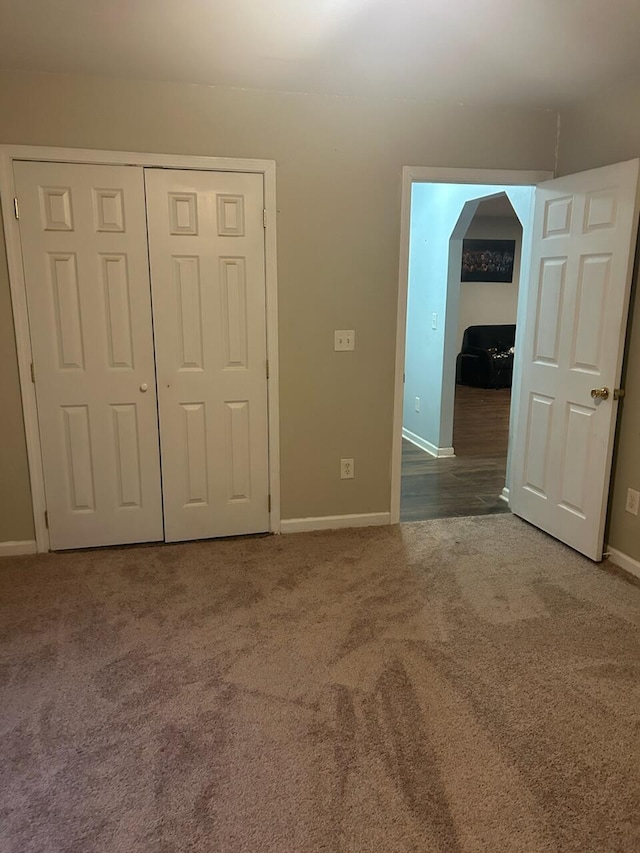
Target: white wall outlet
[(344, 340), (417, 404), (633, 501), (346, 469), (434, 321)]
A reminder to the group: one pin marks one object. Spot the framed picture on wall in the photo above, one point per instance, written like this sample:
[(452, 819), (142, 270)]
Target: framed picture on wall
[(488, 260)]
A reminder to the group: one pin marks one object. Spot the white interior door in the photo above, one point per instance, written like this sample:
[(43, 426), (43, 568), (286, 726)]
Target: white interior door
[(206, 241), (84, 245), (584, 237)]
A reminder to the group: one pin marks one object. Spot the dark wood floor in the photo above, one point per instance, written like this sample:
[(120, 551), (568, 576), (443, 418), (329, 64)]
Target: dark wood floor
[(471, 482)]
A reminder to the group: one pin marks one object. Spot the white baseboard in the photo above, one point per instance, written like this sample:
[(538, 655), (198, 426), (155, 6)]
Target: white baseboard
[(505, 494), (423, 444), (14, 549), (623, 560), (333, 522)]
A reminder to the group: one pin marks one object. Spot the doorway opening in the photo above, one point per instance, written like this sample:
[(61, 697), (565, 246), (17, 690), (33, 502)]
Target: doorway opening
[(465, 266), (579, 238)]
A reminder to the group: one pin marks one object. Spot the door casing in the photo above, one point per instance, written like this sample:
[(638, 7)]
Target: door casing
[(11, 153), (428, 174)]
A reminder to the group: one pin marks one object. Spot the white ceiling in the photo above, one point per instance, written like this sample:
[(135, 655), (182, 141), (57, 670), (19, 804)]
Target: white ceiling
[(541, 52)]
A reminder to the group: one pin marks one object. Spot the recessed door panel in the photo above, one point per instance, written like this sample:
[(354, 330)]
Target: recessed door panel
[(558, 214), (126, 448), (183, 213), (206, 241), (577, 443), (238, 450), (536, 459), (66, 310), (115, 282), (549, 310), (233, 317), (56, 208), (230, 215), (194, 441), (601, 210), (79, 458), (594, 278), (186, 277), (84, 240), (108, 209)]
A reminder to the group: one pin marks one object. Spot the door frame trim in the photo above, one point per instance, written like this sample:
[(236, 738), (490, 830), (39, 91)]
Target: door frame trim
[(441, 175), (11, 153)]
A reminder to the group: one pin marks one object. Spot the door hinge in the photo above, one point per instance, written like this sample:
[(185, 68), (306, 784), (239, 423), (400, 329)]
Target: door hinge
[(404, 377), (46, 519), (269, 502), (264, 217), (16, 209), (267, 368), (33, 373)]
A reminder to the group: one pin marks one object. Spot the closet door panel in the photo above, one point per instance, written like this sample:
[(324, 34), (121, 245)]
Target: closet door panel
[(84, 244), (206, 244)]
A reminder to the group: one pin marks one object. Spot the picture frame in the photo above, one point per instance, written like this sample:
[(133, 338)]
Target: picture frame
[(488, 260)]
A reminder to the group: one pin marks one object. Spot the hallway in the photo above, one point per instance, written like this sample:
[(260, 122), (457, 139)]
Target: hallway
[(471, 482)]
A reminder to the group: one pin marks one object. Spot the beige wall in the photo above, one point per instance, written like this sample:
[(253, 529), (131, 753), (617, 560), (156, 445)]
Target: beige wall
[(487, 302), (339, 166), (600, 131)]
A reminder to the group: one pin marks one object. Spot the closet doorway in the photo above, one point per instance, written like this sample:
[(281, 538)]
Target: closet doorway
[(147, 308)]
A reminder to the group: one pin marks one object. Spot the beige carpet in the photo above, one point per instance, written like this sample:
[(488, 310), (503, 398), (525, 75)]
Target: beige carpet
[(463, 685)]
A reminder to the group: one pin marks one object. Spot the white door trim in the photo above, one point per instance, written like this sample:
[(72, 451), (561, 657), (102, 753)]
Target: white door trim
[(9, 153), (431, 174)]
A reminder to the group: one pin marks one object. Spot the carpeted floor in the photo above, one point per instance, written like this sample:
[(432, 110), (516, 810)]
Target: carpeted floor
[(464, 685)]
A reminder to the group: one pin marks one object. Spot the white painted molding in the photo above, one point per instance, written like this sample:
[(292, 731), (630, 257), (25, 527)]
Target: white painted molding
[(623, 560), (426, 174), (23, 347), (267, 168), (423, 444), (14, 549), (333, 522), (505, 494)]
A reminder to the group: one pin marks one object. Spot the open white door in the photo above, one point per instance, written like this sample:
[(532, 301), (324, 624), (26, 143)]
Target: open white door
[(570, 355)]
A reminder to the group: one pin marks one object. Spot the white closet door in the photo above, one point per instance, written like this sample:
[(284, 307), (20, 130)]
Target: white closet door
[(84, 245), (206, 242)]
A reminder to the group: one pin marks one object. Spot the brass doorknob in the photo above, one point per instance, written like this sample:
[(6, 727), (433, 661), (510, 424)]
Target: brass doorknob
[(600, 393)]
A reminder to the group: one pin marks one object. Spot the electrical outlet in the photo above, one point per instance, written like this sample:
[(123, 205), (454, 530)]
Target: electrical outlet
[(344, 340), (346, 469), (633, 501), (417, 404)]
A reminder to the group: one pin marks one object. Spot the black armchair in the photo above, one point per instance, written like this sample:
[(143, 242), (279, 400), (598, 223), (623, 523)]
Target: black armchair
[(486, 359)]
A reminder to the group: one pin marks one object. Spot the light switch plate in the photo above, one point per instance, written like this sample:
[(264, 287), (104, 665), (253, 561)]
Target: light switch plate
[(344, 340)]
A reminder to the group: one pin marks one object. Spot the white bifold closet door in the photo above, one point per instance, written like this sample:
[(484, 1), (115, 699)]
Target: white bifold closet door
[(206, 246), (84, 245)]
